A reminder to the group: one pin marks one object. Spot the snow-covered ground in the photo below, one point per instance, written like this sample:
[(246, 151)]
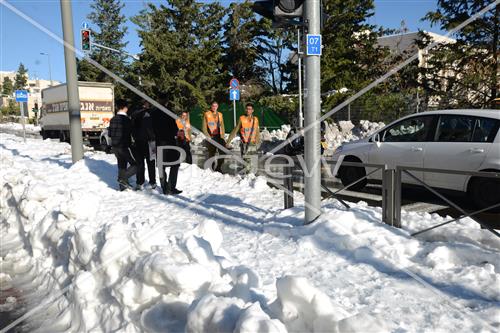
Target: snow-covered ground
[(224, 256), (30, 128)]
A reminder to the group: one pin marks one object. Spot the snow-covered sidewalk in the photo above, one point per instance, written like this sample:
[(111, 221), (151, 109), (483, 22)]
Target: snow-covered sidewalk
[(224, 256)]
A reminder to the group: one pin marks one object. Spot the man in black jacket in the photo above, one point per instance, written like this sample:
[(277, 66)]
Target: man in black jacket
[(144, 137), (120, 130), (165, 130)]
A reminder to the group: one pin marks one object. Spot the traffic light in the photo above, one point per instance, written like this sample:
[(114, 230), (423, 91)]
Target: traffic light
[(288, 8), (86, 39), (277, 10)]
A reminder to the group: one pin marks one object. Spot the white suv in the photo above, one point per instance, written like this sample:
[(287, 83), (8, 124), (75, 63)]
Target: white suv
[(465, 140)]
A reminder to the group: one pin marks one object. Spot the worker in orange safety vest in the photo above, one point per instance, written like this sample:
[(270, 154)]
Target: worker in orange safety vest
[(184, 135), (248, 130), (213, 127)]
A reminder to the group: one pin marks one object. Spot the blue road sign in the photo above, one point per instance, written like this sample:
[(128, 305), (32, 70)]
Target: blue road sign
[(21, 96), (234, 83), (85, 25), (234, 94), (314, 45)]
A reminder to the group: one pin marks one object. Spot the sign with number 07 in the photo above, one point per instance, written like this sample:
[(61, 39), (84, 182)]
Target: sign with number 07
[(313, 45)]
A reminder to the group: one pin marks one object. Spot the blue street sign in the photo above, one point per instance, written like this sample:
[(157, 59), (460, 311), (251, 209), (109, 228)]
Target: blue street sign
[(21, 96), (314, 45), (234, 94), (234, 83), (85, 25)]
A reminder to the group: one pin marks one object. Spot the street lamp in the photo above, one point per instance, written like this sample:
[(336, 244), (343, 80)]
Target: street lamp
[(50, 72)]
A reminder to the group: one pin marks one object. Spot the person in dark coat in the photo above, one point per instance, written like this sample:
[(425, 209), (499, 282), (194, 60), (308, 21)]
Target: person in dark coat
[(144, 137), (120, 132), (165, 130)]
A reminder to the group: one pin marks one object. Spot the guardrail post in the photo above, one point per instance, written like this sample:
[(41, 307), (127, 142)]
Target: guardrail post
[(288, 184), (388, 191), (397, 198)]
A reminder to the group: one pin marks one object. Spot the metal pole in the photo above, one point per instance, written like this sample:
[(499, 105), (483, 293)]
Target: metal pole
[(234, 113), (50, 70), (288, 183), (388, 196), (418, 102), (349, 112), (301, 112), (134, 56), (75, 127), (312, 151), (23, 121), (397, 198)]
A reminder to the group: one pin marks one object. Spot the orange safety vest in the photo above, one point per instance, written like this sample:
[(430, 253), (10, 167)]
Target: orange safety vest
[(213, 122), (246, 132), (180, 126)]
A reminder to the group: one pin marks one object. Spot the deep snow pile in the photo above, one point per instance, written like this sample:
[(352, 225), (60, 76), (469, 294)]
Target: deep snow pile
[(224, 256), (335, 134)]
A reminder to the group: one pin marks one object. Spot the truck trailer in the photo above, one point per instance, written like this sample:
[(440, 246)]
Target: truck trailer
[(96, 110)]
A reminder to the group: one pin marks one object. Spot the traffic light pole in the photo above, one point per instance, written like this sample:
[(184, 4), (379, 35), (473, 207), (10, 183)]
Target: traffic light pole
[(75, 126), (312, 151), (299, 55)]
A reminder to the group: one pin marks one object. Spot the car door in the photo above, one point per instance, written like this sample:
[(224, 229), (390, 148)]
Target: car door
[(461, 143), (404, 144)]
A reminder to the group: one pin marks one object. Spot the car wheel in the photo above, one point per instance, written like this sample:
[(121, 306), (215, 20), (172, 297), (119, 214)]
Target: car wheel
[(350, 174), (485, 192)]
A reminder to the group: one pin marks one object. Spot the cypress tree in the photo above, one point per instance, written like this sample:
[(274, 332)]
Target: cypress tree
[(21, 79), (7, 86)]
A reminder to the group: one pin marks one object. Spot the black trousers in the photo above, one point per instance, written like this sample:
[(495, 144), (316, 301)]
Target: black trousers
[(127, 165), (187, 149), (142, 153), (172, 178)]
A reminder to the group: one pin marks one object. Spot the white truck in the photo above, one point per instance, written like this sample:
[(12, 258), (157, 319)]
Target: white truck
[(96, 110)]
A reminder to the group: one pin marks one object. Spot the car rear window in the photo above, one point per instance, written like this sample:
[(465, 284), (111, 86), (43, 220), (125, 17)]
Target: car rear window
[(458, 128), (485, 130)]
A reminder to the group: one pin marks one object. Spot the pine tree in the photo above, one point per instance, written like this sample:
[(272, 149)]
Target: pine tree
[(21, 79), (241, 52), (106, 15), (7, 86), (465, 73), (182, 52), (351, 58), (274, 47)]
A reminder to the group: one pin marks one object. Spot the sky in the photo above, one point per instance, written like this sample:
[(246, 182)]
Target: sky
[(20, 41)]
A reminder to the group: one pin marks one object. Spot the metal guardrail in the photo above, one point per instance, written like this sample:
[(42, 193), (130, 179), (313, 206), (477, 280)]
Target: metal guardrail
[(392, 191), (406, 170)]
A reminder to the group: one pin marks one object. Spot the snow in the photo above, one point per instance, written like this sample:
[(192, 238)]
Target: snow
[(335, 134), (30, 128), (224, 256)]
